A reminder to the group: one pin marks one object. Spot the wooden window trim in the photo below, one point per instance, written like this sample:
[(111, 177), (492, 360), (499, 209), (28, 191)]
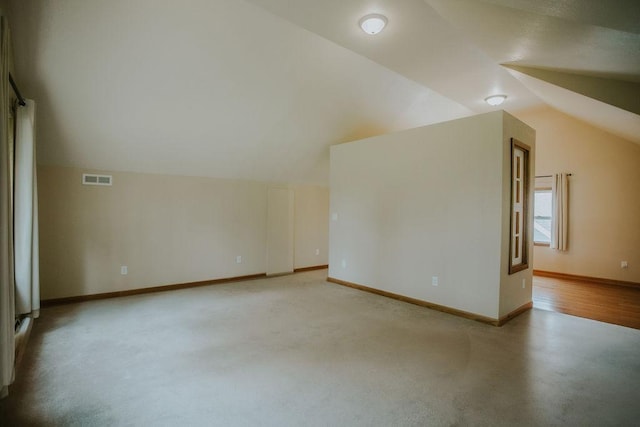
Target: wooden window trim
[(524, 264)]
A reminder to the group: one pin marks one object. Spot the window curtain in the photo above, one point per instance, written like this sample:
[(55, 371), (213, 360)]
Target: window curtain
[(7, 303), (560, 211), (27, 274)]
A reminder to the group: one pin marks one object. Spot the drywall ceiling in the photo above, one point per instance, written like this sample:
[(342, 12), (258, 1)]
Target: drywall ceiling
[(210, 88), (460, 47), (417, 43), (260, 89), (581, 57), (605, 116)]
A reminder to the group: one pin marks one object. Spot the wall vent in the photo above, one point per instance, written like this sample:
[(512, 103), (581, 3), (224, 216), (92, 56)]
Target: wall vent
[(92, 179)]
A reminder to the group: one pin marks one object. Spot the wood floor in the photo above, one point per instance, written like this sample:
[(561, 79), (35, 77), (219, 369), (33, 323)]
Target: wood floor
[(615, 304)]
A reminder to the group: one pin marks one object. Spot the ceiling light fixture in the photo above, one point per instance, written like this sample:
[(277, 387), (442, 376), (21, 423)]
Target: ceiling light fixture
[(373, 24), (494, 100)]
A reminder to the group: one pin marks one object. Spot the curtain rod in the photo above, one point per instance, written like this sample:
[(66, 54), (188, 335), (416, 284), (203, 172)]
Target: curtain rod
[(16, 91), (549, 176)]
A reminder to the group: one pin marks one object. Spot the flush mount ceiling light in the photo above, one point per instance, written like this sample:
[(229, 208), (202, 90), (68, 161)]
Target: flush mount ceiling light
[(494, 100), (373, 24)]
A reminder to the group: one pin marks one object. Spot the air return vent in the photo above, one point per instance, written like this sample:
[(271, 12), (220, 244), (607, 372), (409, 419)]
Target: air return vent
[(91, 179)]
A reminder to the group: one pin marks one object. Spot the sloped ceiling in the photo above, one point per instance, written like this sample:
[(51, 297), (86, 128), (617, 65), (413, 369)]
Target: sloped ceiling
[(581, 57), (210, 88), (468, 49), (417, 43), (260, 89)]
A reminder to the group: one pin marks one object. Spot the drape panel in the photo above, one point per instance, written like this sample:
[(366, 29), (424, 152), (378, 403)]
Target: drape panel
[(7, 303), (27, 274), (560, 210)]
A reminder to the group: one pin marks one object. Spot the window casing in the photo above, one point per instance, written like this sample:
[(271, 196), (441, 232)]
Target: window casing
[(519, 235), (542, 216)]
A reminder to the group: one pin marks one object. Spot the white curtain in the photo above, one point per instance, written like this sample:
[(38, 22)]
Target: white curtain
[(27, 274), (7, 304), (560, 211)]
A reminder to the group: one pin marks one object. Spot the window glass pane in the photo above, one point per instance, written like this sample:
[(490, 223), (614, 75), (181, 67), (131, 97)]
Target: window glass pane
[(542, 217)]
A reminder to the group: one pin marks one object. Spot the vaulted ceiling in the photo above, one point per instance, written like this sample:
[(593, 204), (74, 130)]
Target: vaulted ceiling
[(259, 89)]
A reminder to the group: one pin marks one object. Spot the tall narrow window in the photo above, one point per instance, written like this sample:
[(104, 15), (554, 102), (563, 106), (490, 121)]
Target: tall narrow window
[(542, 216), (519, 239)]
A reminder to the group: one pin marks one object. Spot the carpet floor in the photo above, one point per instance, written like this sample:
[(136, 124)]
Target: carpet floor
[(298, 351)]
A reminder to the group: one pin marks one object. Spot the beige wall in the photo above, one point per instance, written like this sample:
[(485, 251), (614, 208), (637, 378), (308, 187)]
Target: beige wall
[(280, 230), (604, 196), (428, 202), (311, 226), (165, 229), (515, 289)]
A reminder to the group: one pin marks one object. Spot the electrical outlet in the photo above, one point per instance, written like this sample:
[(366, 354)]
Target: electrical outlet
[(434, 280), (344, 263), (524, 283), (334, 217), (317, 251), (124, 270), (239, 259), (624, 264)]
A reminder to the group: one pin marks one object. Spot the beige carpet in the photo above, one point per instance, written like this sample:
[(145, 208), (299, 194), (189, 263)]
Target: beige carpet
[(298, 351)]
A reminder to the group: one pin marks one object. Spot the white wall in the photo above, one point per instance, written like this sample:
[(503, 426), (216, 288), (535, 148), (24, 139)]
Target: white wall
[(604, 196), (311, 226), (426, 202), (280, 230), (515, 289), (166, 229)]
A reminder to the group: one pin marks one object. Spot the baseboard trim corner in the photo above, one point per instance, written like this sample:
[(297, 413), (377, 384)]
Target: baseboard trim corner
[(602, 281), (515, 313), (153, 289), (312, 268), (422, 303)]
